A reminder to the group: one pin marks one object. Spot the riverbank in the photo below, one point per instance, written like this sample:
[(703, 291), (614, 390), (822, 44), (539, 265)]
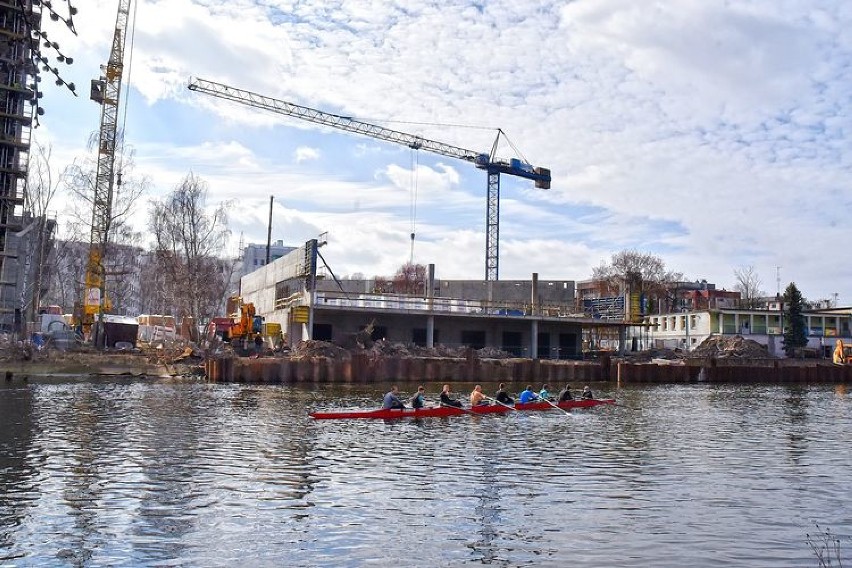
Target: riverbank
[(320, 364), (22, 364)]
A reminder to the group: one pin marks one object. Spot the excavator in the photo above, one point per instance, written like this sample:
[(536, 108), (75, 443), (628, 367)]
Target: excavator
[(246, 324)]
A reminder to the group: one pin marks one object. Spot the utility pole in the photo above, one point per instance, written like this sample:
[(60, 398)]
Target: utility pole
[(778, 281), (269, 230)]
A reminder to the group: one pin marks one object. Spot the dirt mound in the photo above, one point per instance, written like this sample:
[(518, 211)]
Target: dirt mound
[(388, 349), (730, 347), (316, 348), (650, 354)]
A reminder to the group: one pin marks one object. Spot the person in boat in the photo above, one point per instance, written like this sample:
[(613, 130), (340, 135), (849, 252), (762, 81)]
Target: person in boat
[(477, 397), (528, 395), (417, 401), (447, 400), (587, 392), (544, 394), (392, 401), (565, 394), (502, 396)]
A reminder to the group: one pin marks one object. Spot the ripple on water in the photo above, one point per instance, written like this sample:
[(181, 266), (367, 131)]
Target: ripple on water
[(136, 473)]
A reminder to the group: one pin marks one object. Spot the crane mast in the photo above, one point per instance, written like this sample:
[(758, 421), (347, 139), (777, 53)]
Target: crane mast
[(484, 161), (106, 91)]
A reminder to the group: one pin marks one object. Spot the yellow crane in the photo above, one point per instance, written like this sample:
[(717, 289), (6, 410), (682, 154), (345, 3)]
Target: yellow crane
[(106, 91)]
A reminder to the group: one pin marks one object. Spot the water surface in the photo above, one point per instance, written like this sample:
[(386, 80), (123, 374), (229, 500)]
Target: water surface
[(135, 473)]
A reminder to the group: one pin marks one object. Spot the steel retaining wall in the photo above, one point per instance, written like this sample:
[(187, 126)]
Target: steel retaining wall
[(364, 369)]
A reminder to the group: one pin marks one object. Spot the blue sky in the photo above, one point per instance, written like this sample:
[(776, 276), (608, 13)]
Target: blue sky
[(711, 133)]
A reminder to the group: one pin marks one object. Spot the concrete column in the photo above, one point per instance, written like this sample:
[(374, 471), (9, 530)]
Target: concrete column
[(534, 339), (308, 328), (534, 300), (430, 296), (622, 340)]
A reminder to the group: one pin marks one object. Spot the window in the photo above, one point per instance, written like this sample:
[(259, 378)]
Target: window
[(418, 336), (512, 343), (474, 339), (322, 332)]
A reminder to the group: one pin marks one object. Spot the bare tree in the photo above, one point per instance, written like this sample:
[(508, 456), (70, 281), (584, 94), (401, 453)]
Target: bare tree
[(634, 272), (188, 240), (748, 285), (409, 279), (121, 254), (37, 236)]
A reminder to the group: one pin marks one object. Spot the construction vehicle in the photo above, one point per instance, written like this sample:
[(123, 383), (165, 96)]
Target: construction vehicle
[(246, 324), (484, 161), (106, 91)]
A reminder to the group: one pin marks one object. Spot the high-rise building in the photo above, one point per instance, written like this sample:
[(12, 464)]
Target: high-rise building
[(254, 255), (17, 21)]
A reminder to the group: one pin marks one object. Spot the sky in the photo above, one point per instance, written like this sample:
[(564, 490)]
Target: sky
[(710, 133)]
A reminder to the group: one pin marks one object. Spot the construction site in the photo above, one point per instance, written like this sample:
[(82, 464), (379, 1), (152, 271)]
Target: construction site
[(293, 320)]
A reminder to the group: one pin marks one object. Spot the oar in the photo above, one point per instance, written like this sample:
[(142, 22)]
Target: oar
[(554, 405), (510, 407), (465, 410)]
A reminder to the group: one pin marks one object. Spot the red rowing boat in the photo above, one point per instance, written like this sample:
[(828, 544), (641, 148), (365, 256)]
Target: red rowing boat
[(442, 411)]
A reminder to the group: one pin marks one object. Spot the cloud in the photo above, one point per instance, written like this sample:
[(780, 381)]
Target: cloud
[(304, 154), (711, 133)]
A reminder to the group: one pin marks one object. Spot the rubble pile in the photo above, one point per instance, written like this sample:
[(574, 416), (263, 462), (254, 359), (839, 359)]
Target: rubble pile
[(316, 348), (384, 348), (492, 353), (736, 347), (651, 354)]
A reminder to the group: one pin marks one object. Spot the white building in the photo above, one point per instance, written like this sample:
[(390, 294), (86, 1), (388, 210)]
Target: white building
[(686, 330), (254, 255)]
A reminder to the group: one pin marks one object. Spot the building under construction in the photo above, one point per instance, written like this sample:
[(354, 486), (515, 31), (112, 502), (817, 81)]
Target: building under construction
[(527, 318), (17, 19)]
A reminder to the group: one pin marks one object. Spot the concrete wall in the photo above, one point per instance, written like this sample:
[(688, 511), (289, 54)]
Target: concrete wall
[(549, 291)]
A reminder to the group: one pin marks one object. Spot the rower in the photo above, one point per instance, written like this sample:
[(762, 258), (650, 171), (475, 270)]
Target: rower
[(391, 400), (528, 395), (565, 394), (417, 401), (544, 394), (587, 392), (476, 397), (446, 400), (502, 397)]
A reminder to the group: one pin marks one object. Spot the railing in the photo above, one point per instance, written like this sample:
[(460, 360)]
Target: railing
[(420, 304)]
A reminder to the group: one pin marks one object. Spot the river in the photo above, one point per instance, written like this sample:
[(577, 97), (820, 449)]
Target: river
[(127, 472)]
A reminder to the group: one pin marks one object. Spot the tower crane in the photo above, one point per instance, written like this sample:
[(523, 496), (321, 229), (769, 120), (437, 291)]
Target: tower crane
[(484, 161), (105, 91)]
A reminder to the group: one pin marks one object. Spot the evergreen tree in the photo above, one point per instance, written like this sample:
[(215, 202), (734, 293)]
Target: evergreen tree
[(795, 334)]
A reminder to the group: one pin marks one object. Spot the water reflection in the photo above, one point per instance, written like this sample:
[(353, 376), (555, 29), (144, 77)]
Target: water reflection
[(18, 466), (137, 473)]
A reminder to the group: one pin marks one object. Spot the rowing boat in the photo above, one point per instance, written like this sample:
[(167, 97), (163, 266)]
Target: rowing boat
[(443, 411)]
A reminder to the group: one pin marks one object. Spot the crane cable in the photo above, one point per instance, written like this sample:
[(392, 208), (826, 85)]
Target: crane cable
[(415, 166), (129, 56)]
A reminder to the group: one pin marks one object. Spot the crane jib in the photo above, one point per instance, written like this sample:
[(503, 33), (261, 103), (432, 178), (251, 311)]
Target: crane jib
[(484, 161)]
